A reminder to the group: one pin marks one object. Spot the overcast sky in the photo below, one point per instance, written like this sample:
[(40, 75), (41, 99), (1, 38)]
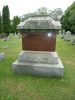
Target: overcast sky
[(21, 7)]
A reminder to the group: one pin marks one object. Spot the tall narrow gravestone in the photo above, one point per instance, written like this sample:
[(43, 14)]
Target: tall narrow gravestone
[(38, 55)]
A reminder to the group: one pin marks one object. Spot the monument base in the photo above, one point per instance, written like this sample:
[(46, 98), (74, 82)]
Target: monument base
[(39, 63)]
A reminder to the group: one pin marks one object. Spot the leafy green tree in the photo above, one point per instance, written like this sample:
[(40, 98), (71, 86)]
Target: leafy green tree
[(6, 19), (15, 22), (65, 20), (56, 14), (43, 11), (72, 17), (68, 19), (0, 24)]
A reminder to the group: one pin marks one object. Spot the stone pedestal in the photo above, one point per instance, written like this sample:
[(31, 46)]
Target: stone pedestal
[(39, 63)]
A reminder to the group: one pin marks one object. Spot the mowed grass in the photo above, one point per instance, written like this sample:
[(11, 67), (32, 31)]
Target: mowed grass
[(30, 87)]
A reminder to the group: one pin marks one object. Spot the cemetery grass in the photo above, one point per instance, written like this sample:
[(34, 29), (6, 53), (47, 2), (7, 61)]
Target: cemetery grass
[(30, 87)]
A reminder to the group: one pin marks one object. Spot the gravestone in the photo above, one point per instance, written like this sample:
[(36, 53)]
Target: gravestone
[(67, 36), (19, 35), (5, 39), (2, 56), (10, 36), (73, 41), (38, 55), (62, 34)]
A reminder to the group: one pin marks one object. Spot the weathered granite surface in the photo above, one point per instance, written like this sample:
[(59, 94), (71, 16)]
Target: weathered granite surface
[(39, 63), (44, 22), (38, 57)]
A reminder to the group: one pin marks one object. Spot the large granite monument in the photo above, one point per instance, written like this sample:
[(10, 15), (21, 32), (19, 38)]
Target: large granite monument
[(38, 55)]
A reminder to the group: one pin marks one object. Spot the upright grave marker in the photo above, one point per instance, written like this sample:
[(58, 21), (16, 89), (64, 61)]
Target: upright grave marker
[(38, 54), (67, 36)]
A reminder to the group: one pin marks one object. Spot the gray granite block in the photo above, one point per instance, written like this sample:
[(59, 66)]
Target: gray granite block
[(38, 56), (39, 68)]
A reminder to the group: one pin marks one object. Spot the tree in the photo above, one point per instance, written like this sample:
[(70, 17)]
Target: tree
[(72, 17), (56, 14), (65, 20), (6, 20), (0, 24), (15, 22), (43, 11), (68, 19)]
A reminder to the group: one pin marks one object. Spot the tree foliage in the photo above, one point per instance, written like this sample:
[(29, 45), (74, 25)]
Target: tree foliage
[(56, 14), (6, 20), (43, 11), (15, 22), (0, 23), (68, 19)]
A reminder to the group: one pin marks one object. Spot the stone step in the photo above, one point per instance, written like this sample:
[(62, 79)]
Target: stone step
[(39, 68), (38, 57)]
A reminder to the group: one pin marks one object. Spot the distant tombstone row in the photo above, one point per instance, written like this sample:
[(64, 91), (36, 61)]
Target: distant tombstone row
[(18, 35), (11, 35), (67, 36), (5, 39)]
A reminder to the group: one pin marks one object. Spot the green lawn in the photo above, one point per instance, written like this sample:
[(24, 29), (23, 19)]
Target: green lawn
[(27, 87)]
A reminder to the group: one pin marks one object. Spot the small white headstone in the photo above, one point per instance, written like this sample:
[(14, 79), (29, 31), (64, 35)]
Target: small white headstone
[(67, 36), (73, 41)]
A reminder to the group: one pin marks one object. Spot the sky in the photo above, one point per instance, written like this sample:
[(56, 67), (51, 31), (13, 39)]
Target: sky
[(21, 7)]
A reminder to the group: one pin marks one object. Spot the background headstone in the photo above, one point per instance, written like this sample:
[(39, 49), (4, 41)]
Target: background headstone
[(5, 39), (10, 36), (73, 41), (67, 36), (62, 34), (2, 56)]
